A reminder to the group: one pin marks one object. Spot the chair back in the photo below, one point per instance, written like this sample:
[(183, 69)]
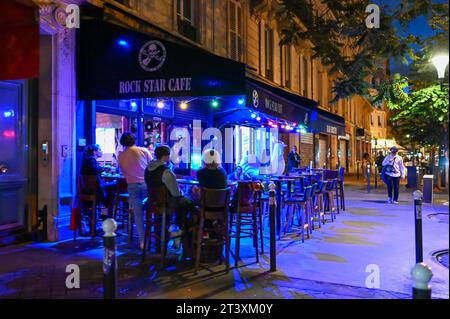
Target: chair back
[(341, 173), (314, 188), (308, 193), (122, 186), (319, 187), (248, 192), (214, 199), (323, 187), (158, 197), (88, 184)]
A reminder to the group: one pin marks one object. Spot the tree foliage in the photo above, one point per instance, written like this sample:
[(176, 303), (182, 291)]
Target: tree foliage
[(342, 41)]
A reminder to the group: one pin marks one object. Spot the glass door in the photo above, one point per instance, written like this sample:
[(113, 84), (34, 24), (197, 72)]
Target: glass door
[(13, 176)]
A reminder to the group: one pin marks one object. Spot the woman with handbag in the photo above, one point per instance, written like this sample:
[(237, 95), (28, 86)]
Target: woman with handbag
[(393, 169)]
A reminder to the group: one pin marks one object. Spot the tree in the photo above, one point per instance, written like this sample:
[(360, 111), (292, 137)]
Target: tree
[(342, 41)]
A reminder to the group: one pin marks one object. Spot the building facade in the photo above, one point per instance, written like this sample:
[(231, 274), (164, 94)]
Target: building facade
[(241, 30)]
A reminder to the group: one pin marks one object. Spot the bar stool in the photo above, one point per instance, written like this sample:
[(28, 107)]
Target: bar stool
[(87, 186), (330, 191), (245, 212), (301, 206), (156, 216), (319, 203), (214, 206), (122, 206)]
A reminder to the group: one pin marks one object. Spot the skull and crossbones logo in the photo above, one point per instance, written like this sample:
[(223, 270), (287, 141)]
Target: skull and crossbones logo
[(255, 98), (152, 55)]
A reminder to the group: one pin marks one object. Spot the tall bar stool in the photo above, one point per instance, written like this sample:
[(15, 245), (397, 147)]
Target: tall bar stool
[(122, 207), (214, 205), (156, 216), (88, 198), (301, 206), (330, 192), (245, 212), (319, 203)]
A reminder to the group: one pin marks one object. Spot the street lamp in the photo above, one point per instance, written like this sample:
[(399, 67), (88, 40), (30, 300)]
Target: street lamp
[(440, 62)]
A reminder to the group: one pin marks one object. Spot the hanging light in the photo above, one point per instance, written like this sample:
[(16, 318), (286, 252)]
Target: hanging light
[(241, 101), (183, 105), (283, 126), (160, 104), (214, 103), (258, 118), (253, 115)]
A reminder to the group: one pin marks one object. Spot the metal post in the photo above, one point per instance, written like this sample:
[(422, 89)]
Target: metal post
[(376, 176), (357, 170), (109, 259), (368, 178), (422, 275), (272, 208), (418, 225)]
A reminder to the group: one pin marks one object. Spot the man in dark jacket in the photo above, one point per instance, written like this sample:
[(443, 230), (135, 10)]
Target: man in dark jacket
[(293, 159)]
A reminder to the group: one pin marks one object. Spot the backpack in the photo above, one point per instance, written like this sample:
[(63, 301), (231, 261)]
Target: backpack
[(387, 169)]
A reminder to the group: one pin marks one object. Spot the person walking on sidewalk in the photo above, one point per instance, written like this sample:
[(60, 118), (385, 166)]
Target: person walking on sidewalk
[(394, 169)]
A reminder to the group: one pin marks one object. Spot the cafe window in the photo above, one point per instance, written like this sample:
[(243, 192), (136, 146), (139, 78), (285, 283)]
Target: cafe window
[(287, 66), (235, 23), (268, 46), (108, 130), (186, 10)]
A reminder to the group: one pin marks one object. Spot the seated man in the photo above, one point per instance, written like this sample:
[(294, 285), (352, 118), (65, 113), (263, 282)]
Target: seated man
[(158, 174), (239, 175)]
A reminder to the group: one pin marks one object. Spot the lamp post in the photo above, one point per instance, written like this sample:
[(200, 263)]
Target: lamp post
[(440, 62)]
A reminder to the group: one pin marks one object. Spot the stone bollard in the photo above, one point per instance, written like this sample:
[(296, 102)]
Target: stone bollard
[(272, 210), (376, 176), (109, 226), (368, 178), (421, 274)]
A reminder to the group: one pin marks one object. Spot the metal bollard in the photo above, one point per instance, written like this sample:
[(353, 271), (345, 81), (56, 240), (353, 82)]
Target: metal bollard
[(421, 274), (357, 170), (272, 210), (109, 226), (376, 176), (417, 195), (368, 178)]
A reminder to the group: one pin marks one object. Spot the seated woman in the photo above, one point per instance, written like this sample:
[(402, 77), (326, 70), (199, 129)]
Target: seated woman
[(239, 175), (90, 166), (212, 175)]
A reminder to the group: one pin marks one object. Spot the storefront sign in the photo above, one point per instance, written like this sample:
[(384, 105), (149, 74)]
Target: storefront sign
[(331, 129), (328, 123), (270, 103), (163, 109), (119, 63)]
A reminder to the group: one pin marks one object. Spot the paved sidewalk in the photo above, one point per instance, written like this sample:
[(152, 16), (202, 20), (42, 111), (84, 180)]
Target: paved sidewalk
[(331, 264)]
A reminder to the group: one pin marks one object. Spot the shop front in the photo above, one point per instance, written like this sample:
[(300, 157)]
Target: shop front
[(266, 127), (153, 87), (326, 128)]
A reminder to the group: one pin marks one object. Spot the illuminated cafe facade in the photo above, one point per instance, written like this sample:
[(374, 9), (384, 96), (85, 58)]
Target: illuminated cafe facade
[(157, 87)]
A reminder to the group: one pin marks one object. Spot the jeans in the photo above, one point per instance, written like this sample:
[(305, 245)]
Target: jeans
[(392, 184), (138, 192)]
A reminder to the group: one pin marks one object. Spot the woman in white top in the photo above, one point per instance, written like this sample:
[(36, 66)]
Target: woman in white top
[(394, 173)]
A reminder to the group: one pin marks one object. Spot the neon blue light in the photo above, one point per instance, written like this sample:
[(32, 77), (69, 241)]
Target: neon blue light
[(241, 101), (7, 114), (123, 43), (253, 115), (196, 160), (133, 104)]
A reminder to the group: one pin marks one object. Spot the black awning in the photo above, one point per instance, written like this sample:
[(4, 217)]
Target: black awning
[(119, 63), (325, 122), (279, 103)]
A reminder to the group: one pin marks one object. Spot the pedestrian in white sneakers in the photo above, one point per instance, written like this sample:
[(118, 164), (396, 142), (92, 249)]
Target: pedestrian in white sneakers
[(393, 169)]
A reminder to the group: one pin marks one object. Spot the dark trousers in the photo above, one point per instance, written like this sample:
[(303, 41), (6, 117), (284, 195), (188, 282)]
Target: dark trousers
[(392, 185)]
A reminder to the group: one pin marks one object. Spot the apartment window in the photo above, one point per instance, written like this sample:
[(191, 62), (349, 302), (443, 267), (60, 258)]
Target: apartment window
[(186, 19), (380, 124), (235, 23), (126, 3), (312, 78), (287, 66), (268, 46), (305, 76), (320, 87), (371, 120)]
